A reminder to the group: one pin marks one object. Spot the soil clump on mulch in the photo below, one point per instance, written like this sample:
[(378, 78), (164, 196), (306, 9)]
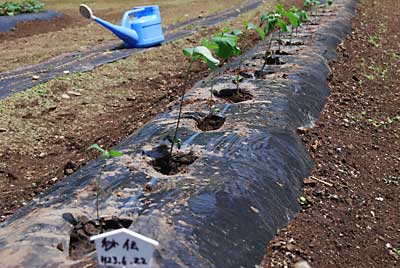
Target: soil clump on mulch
[(351, 203)]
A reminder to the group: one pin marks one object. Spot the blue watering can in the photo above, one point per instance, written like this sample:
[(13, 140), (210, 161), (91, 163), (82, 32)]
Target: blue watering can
[(140, 27)]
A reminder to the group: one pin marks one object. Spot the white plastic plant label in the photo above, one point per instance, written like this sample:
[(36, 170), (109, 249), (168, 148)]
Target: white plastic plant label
[(124, 248)]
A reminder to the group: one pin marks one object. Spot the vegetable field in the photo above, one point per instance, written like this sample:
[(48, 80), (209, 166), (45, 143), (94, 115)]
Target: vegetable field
[(259, 134)]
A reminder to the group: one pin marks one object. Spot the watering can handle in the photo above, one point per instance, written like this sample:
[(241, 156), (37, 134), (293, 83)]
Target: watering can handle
[(127, 14)]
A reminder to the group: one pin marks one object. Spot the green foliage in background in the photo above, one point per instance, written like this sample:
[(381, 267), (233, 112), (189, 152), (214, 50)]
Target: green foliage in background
[(11, 8)]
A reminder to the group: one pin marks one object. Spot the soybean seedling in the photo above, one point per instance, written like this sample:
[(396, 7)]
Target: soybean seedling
[(302, 15), (270, 20), (282, 25), (105, 154), (294, 20), (247, 27), (224, 45), (314, 5), (199, 53), (327, 4)]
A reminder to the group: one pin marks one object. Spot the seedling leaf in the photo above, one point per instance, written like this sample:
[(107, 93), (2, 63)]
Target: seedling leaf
[(304, 15), (208, 44), (271, 25), (227, 46), (204, 54), (282, 25), (294, 19), (106, 153), (259, 30), (280, 9), (201, 53), (114, 153), (236, 32)]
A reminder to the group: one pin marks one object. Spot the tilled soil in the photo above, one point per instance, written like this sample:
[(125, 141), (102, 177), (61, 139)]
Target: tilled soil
[(351, 203)]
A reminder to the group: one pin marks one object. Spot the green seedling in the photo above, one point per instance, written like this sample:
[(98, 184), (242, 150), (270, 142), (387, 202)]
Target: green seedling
[(27, 6), (317, 5), (199, 53), (212, 47), (314, 5), (396, 251), (270, 20), (327, 4), (215, 110), (307, 3), (304, 200), (105, 154), (302, 15), (374, 40), (274, 20), (282, 24), (384, 123), (224, 44), (295, 22), (247, 27)]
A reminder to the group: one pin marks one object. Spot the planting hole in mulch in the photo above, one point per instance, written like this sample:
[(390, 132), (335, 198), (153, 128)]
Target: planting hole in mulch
[(262, 74), (274, 60), (294, 42), (210, 122), (246, 74), (232, 95), (275, 52), (163, 163), (283, 53), (84, 228)]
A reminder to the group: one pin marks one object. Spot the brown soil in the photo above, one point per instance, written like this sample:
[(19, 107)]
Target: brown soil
[(351, 204)]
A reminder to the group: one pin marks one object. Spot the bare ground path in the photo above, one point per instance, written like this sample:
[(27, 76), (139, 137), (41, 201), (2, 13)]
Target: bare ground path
[(351, 213)]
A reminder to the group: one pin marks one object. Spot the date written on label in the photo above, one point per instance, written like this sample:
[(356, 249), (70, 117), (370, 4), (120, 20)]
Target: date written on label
[(122, 261), (124, 248)]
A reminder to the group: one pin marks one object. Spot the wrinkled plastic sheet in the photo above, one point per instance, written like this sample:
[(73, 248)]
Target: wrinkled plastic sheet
[(8, 23), (229, 203), (82, 61)]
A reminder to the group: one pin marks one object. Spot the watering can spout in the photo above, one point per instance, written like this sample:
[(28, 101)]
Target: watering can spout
[(129, 36)]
